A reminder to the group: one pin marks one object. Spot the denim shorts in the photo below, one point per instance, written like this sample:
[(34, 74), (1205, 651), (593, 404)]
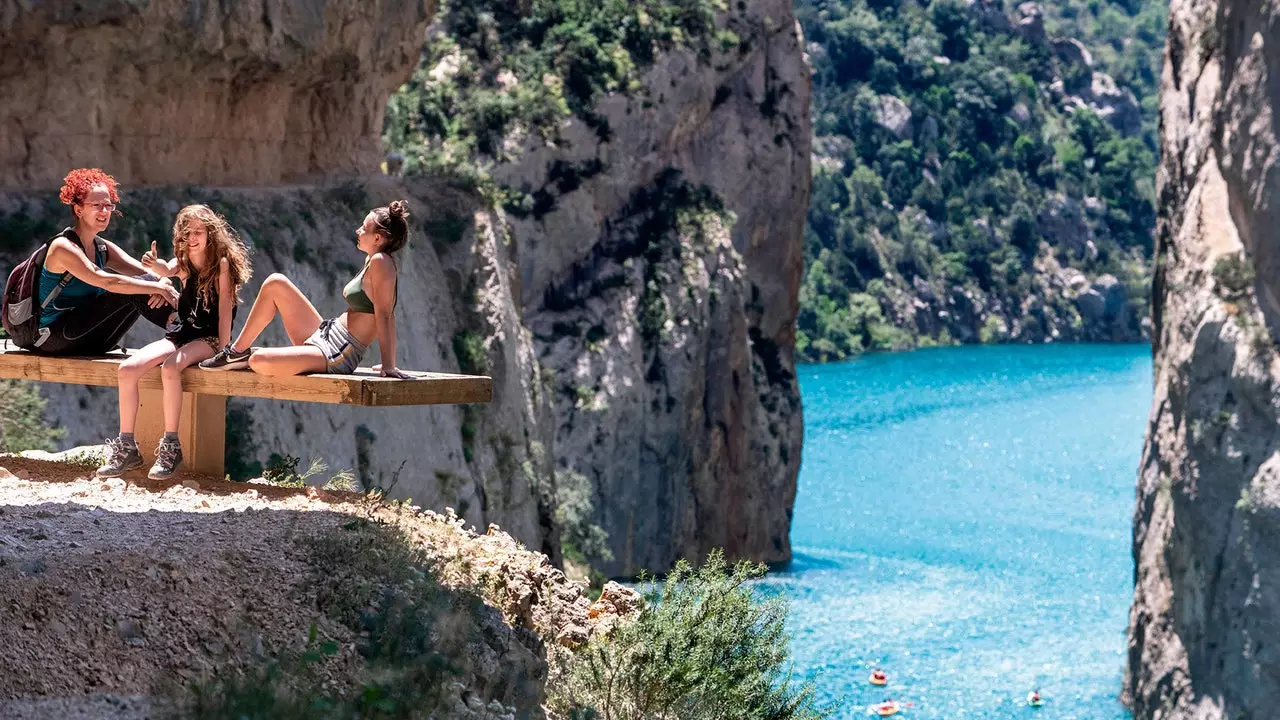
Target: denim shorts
[(342, 352)]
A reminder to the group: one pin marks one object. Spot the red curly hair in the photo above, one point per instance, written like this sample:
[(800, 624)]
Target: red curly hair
[(77, 184)]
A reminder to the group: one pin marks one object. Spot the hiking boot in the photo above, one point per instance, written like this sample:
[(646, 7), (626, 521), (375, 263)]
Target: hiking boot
[(228, 359), (168, 458), (121, 458)]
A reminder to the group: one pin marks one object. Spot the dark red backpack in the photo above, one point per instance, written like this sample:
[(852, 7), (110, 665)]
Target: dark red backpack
[(21, 314)]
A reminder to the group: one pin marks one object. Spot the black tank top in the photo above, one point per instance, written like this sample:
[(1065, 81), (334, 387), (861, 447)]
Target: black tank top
[(196, 318)]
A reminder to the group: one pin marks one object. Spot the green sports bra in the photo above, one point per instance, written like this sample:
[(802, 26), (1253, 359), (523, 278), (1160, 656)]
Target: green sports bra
[(357, 299)]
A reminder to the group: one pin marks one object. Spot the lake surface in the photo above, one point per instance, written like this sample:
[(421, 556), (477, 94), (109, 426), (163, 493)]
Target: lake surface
[(963, 522)]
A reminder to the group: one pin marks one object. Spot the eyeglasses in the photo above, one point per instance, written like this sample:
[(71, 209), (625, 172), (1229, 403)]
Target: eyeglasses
[(101, 207)]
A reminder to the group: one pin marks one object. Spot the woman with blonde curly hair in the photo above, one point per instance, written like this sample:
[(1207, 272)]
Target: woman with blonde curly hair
[(91, 292), (213, 265)]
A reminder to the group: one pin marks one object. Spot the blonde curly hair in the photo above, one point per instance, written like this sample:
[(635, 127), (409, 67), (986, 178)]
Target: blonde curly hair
[(223, 243)]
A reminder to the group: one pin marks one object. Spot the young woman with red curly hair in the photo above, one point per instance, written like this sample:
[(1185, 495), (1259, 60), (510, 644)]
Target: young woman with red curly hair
[(108, 289)]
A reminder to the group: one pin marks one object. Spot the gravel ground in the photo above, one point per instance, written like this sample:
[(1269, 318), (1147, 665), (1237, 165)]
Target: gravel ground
[(115, 590)]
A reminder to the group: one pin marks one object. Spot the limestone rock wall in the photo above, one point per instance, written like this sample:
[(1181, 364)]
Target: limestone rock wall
[(185, 91), (690, 431), (1206, 610), (640, 334)]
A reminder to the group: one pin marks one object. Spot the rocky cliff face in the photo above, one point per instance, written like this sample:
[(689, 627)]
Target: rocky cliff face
[(1205, 611), (184, 91), (640, 334), (662, 296)]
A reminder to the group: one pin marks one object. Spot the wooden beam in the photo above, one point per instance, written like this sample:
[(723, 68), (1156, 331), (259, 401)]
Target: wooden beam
[(202, 430), (364, 387)]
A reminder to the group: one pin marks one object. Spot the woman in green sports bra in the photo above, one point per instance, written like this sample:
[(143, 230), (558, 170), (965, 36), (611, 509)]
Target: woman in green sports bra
[(335, 345)]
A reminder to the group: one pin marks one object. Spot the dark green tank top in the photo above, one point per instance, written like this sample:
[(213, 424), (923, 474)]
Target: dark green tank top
[(357, 299)]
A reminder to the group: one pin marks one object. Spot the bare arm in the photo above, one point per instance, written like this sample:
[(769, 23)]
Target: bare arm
[(226, 303), (122, 262), (64, 257), (382, 291), (156, 266)]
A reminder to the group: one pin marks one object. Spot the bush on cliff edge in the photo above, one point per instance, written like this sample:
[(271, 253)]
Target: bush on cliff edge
[(705, 647)]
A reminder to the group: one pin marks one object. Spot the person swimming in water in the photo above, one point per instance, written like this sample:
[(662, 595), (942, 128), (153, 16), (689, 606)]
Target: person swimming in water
[(886, 708)]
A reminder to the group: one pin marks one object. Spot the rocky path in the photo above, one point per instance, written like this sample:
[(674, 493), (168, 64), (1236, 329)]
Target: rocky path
[(115, 590)]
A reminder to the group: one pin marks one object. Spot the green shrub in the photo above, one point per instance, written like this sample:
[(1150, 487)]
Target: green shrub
[(529, 68), (87, 458), (580, 538), (469, 349), (707, 646), (283, 470), (343, 481), (1234, 275), (467, 431), (992, 330), (22, 418)]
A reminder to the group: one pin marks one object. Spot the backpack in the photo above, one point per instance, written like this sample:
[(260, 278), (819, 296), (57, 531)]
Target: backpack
[(21, 316)]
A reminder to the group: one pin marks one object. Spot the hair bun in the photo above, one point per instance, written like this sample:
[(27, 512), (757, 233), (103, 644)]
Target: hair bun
[(398, 209)]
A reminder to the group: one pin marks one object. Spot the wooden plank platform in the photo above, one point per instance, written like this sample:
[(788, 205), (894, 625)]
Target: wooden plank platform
[(202, 427), (364, 387)]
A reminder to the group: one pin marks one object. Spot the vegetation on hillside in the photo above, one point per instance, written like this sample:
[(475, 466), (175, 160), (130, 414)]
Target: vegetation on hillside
[(956, 199), (494, 72), (705, 645)]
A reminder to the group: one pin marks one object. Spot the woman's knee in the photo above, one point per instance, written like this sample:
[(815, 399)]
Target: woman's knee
[(276, 281), (170, 369), (131, 370)]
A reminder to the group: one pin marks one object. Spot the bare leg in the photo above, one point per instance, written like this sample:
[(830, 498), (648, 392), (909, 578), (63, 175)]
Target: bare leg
[(288, 360), (131, 371), (171, 377), (279, 295)]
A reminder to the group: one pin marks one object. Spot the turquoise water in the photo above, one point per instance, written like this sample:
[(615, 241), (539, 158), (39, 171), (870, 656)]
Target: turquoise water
[(963, 521)]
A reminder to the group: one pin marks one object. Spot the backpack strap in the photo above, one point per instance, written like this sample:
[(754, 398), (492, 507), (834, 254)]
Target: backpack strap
[(99, 246)]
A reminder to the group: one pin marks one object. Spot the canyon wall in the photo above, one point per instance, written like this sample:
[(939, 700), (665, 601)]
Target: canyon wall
[(184, 91), (1206, 612), (673, 363), (640, 334)]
